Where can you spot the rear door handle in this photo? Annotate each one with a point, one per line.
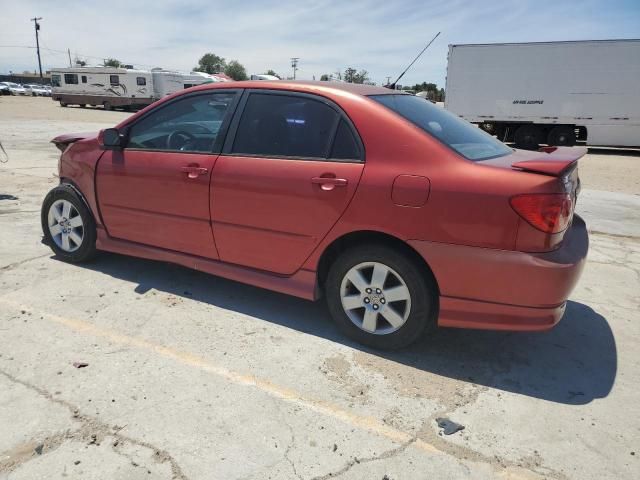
(194, 171)
(329, 183)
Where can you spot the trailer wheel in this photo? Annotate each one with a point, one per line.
(62, 104)
(83, 105)
(527, 137)
(107, 105)
(562, 137)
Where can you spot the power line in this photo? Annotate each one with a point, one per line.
(64, 52)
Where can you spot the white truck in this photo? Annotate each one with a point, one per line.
(557, 93)
(114, 87)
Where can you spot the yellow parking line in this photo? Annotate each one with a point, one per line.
(367, 423)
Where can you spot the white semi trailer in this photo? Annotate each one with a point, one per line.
(556, 93)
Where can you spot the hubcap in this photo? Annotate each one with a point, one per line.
(65, 225)
(375, 298)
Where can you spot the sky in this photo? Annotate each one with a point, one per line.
(381, 37)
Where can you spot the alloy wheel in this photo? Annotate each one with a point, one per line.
(65, 225)
(375, 298)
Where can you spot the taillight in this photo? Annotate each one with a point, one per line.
(548, 212)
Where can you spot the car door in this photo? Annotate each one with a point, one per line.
(155, 190)
(284, 178)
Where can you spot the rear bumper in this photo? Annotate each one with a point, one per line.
(506, 290)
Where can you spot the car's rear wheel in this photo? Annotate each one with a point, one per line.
(63, 104)
(380, 297)
(107, 105)
(68, 225)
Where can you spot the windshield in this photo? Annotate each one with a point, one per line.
(465, 138)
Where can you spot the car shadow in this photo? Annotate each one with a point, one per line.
(574, 363)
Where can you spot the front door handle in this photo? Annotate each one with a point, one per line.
(194, 171)
(329, 183)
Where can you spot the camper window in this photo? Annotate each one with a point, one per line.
(114, 80)
(70, 78)
(55, 80)
(84, 79)
(141, 80)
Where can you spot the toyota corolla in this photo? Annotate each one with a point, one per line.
(401, 215)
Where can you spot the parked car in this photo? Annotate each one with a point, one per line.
(400, 214)
(4, 89)
(16, 88)
(35, 90)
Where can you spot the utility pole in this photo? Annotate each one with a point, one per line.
(388, 80)
(294, 65)
(69, 53)
(36, 25)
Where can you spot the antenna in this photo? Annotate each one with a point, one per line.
(393, 85)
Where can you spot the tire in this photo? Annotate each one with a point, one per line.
(82, 105)
(107, 106)
(409, 318)
(527, 137)
(53, 206)
(562, 137)
(63, 104)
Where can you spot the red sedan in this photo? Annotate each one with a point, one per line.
(400, 214)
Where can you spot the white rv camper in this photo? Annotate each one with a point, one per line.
(107, 86)
(166, 82)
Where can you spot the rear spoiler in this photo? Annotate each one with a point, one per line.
(553, 161)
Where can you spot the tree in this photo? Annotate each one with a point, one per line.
(324, 78)
(271, 72)
(112, 62)
(236, 70)
(351, 75)
(211, 63)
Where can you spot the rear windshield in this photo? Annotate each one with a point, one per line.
(465, 138)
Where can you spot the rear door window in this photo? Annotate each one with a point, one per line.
(345, 146)
(274, 125)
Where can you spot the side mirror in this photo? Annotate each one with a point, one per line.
(112, 139)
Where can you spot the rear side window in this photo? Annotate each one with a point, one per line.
(281, 125)
(141, 81)
(463, 137)
(70, 78)
(345, 146)
(114, 79)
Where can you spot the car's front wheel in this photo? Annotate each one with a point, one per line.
(68, 225)
(380, 297)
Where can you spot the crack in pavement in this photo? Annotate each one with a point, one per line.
(91, 430)
(13, 265)
(358, 461)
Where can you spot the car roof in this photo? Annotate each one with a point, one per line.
(305, 86)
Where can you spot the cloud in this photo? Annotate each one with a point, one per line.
(379, 36)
